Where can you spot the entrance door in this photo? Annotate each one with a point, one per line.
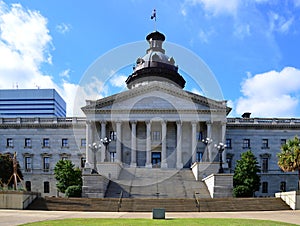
(156, 159)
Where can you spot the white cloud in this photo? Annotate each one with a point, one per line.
(65, 73)
(279, 23)
(196, 91)
(271, 94)
(118, 81)
(205, 35)
(25, 45)
(63, 28)
(215, 7)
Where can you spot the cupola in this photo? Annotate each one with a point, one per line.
(155, 65)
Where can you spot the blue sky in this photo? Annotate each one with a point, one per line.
(251, 46)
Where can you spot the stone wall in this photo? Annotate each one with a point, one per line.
(16, 199)
(219, 185)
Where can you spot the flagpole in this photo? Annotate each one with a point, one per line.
(153, 16)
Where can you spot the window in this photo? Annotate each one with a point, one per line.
(83, 143)
(46, 143)
(264, 187)
(282, 186)
(265, 165)
(199, 156)
(229, 162)
(282, 142)
(46, 187)
(199, 136)
(82, 162)
(156, 135)
(113, 135)
(64, 143)
(228, 143)
(265, 143)
(28, 165)
(27, 143)
(113, 156)
(28, 185)
(46, 164)
(246, 143)
(9, 143)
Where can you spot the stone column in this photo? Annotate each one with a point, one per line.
(194, 141)
(179, 164)
(209, 145)
(103, 134)
(119, 141)
(223, 140)
(164, 163)
(133, 144)
(148, 145)
(89, 140)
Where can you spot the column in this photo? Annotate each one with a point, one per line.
(148, 145)
(209, 135)
(103, 134)
(88, 151)
(133, 144)
(179, 164)
(119, 141)
(224, 141)
(164, 163)
(194, 141)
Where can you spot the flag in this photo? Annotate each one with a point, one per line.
(153, 15)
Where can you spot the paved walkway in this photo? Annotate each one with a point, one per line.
(16, 217)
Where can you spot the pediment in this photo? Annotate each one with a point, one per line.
(153, 97)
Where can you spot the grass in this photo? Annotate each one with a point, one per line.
(173, 222)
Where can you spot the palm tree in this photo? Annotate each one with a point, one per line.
(289, 157)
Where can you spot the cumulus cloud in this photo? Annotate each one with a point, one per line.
(271, 94)
(25, 44)
(118, 81)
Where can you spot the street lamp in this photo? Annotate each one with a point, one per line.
(207, 141)
(105, 141)
(221, 147)
(94, 147)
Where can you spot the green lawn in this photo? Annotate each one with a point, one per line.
(173, 222)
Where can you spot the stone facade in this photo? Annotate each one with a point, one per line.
(39, 146)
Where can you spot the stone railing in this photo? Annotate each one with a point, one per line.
(265, 121)
(34, 121)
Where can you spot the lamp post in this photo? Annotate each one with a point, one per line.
(105, 141)
(207, 141)
(94, 147)
(221, 147)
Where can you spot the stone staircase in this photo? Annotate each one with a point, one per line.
(147, 204)
(156, 183)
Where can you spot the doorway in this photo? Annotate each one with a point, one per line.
(156, 159)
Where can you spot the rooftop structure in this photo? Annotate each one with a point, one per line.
(31, 103)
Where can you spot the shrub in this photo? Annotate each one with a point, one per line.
(73, 191)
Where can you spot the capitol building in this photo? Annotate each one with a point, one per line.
(154, 125)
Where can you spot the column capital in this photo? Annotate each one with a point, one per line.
(133, 121)
(208, 122)
(118, 121)
(179, 122)
(194, 122)
(163, 122)
(148, 122)
(103, 122)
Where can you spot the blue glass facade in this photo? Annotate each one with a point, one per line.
(31, 103)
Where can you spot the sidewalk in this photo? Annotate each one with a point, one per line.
(16, 217)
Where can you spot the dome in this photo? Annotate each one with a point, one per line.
(155, 65)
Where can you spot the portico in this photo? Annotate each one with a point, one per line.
(155, 123)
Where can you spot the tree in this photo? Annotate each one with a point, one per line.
(246, 179)
(66, 175)
(6, 169)
(289, 157)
